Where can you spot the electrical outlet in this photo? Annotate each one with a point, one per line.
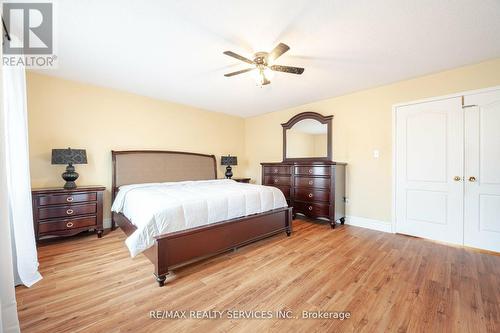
(376, 153)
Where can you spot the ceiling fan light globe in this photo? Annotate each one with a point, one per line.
(257, 77)
(268, 73)
(260, 77)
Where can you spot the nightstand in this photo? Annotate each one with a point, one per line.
(242, 180)
(61, 212)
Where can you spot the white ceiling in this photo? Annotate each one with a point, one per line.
(172, 50)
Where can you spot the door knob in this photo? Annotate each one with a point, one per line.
(472, 179)
(457, 178)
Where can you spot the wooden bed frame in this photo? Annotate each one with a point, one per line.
(176, 249)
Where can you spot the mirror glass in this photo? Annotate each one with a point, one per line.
(307, 138)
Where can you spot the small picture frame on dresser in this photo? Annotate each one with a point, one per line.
(67, 212)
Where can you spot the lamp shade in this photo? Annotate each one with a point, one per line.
(69, 156)
(228, 160)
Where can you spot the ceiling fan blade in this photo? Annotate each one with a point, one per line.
(239, 72)
(287, 69)
(278, 51)
(237, 56)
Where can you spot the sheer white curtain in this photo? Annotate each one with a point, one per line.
(8, 310)
(15, 140)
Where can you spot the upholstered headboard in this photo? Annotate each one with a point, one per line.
(153, 166)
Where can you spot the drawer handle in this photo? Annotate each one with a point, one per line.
(69, 199)
(69, 224)
(69, 211)
(310, 195)
(310, 207)
(310, 171)
(311, 182)
(275, 170)
(275, 180)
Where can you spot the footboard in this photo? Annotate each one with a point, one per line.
(181, 248)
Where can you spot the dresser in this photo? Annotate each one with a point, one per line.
(61, 212)
(315, 189)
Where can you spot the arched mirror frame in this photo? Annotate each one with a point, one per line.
(309, 115)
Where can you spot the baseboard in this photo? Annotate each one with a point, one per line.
(106, 223)
(364, 222)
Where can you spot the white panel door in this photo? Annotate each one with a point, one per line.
(482, 161)
(429, 157)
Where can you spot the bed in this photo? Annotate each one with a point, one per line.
(142, 172)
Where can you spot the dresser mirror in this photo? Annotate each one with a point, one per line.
(307, 136)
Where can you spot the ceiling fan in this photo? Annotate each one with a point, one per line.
(263, 62)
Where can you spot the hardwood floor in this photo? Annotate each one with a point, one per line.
(387, 282)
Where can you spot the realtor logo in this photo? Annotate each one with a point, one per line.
(31, 31)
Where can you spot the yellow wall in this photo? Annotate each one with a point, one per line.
(300, 144)
(63, 113)
(363, 122)
(320, 145)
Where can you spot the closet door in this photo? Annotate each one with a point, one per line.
(482, 171)
(429, 170)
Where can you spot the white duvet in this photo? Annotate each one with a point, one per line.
(159, 208)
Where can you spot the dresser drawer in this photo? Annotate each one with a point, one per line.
(313, 170)
(276, 170)
(312, 182)
(66, 224)
(60, 199)
(312, 209)
(285, 189)
(277, 180)
(66, 211)
(310, 195)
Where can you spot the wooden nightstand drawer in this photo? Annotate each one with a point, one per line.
(61, 199)
(66, 224)
(66, 211)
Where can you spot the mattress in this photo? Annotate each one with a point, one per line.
(159, 208)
